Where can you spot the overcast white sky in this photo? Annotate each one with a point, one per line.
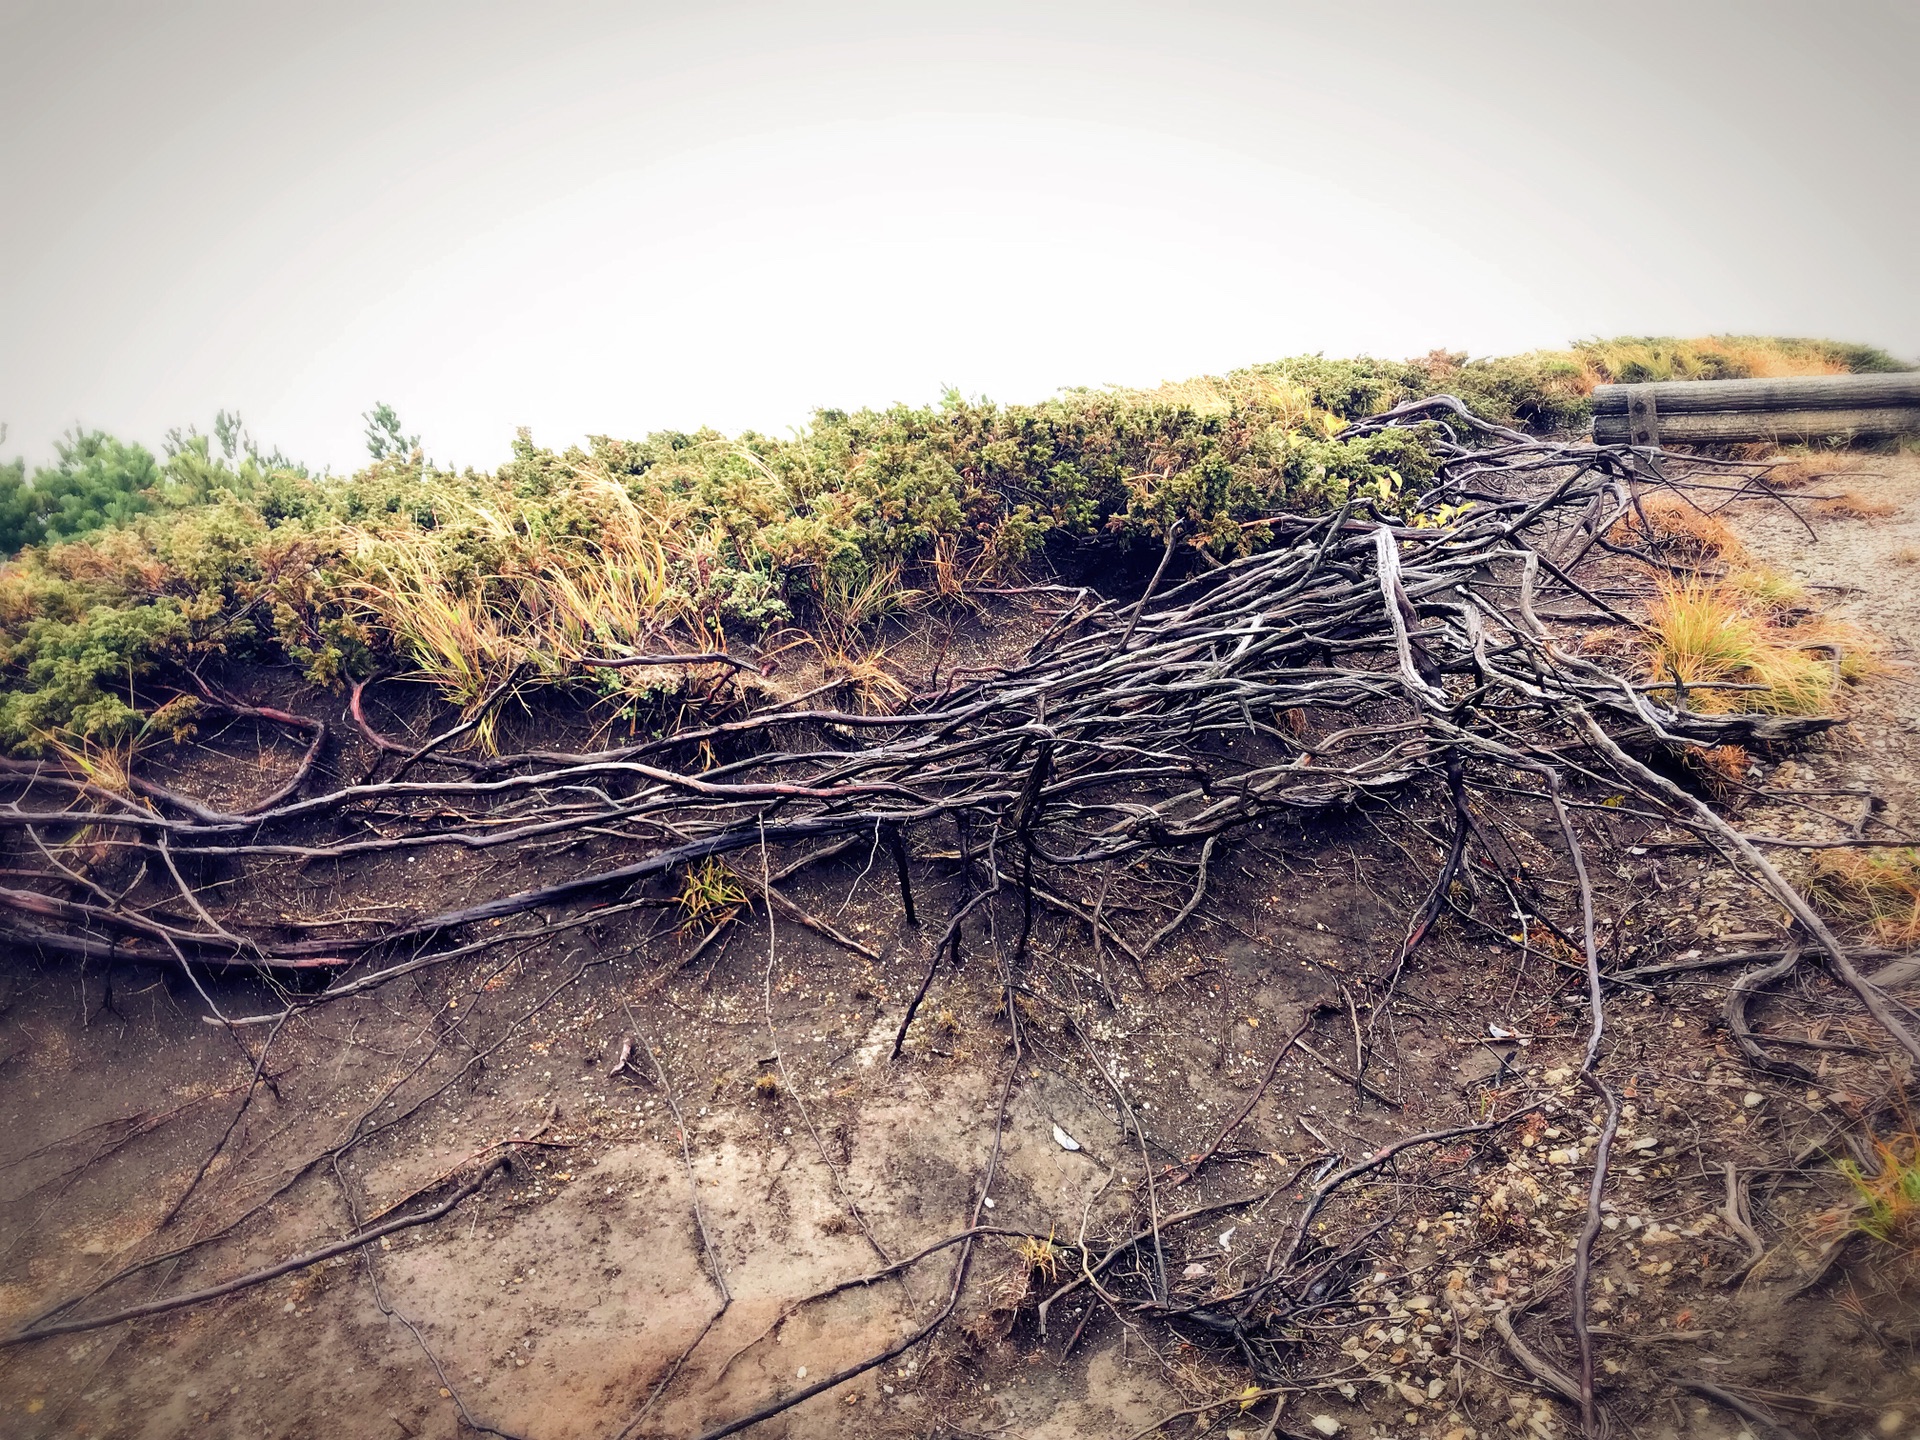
(599, 218)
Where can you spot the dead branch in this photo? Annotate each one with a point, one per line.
(1764, 1423)
(1547, 1373)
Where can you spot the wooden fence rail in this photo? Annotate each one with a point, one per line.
(1808, 408)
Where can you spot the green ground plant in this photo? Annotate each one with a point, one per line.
(129, 566)
(1887, 1197)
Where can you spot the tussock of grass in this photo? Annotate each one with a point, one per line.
(1855, 504)
(709, 893)
(1800, 469)
(1682, 528)
(492, 590)
(1767, 589)
(1888, 1198)
(1721, 767)
(1710, 637)
(1041, 1257)
(1880, 888)
(863, 677)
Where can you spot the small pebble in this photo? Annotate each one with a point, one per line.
(1753, 1098)
(1325, 1424)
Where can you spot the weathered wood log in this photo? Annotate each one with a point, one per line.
(1809, 392)
(1785, 425)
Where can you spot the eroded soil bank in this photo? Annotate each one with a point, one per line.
(760, 1127)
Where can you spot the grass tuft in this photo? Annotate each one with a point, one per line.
(1675, 525)
(1767, 589)
(863, 678)
(709, 893)
(1709, 636)
(1876, 887)
(1888, 1198)
(1041, 1257)
(1720, 767)
(1855, 504)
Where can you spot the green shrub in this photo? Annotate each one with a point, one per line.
(97, 481)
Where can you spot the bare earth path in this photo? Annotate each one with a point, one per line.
(1867, 570)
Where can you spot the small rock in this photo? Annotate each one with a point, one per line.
(1325, 1425)
(1891, 1422)
(1753, 1098)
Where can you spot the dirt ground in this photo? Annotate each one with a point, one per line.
(758, 1124)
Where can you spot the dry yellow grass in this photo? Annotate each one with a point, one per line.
(1799, 470)
(1041, 1257)
(1676, 522)
(1707, 357)
(1767, 589)
(863, 677)
(1720, 767)
(1854, 504)
(1880, 888)
(484, 596)
(1705, 636)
